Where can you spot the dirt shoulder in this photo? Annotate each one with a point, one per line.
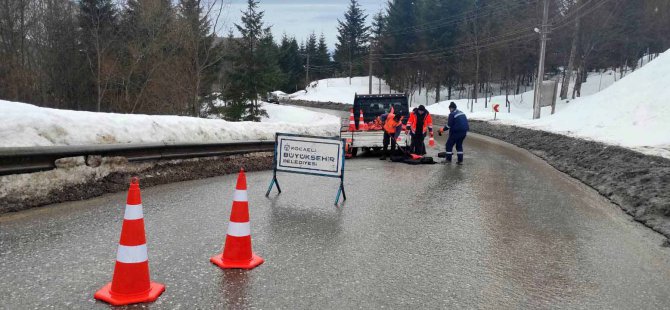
(74, 179)
(636, 182)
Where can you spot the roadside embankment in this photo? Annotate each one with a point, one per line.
(75, 179)
(638, 183)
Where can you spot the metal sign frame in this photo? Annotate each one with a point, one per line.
(275, 182)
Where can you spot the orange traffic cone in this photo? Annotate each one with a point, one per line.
(431, 141)
(352, 124)
(361, 122)
(237, 249)
(130, 282)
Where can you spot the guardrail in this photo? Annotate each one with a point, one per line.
(31, 159)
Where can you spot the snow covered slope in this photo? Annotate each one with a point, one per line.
(339, 89)
(295, 115)
(28, 125)
(633, 112)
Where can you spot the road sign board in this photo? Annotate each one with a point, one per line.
(322, 156)
(309, 155)
(495, 108)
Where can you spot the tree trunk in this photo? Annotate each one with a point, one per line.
(578, 82)
(567, 76)
(449, 89)
(474, 89)
(474, 94)
(98, 74)
(350, 64)
(437, 91)
(488, 85)
(196, 99)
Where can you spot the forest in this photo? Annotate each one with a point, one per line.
(177, 58)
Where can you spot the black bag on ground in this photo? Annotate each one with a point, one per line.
(412, 161)
(426, 160)
(442, 154)
(397, 158)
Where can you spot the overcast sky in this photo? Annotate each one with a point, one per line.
(300, 17)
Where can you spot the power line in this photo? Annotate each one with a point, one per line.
(458, 18)
(465, 49)
(508, 37)
(495, 37)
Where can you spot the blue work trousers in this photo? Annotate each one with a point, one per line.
(457, 139)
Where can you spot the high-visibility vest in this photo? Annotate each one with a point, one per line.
(427, 122)
(391, 124)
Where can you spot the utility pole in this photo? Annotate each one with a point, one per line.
(540, 72)
(307, 72)
(370, 74)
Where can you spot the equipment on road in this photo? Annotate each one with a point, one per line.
(237, 253)
(370, 107)
(321, 156)
(130, 282)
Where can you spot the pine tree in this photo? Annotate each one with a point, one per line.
(255, 66)
(268, 55)
(376, 37)
(399, 38)
(290, 63)
(436, 68)
(377, 29)
(311, 46)
(352, 37)
(64, 67)
(322, 59)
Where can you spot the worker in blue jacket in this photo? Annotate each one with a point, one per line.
(458, 128)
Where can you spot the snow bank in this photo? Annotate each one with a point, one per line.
(633, 112)
(289, 114)
(23, 125)
(339, 90)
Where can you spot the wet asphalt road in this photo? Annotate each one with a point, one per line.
(504, 231)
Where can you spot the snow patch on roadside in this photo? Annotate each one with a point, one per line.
(633, 112)
(71, 171)
(23, 125)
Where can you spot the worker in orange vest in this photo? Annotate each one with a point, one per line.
(422, 120)
(392, 128)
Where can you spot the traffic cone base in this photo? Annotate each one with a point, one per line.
(228, 264)
(105, 294)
